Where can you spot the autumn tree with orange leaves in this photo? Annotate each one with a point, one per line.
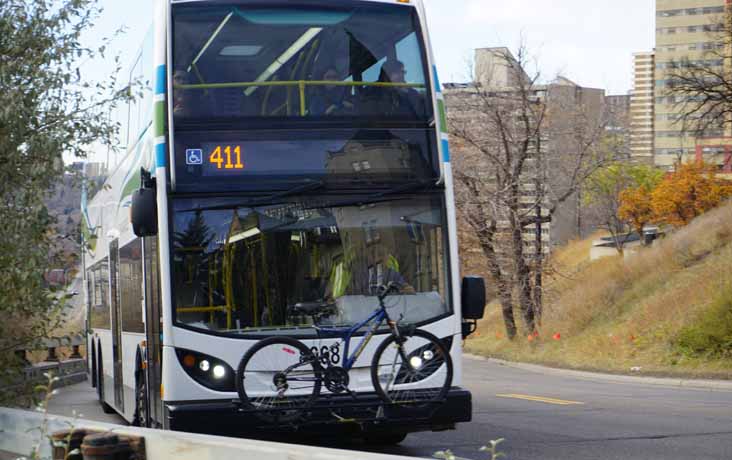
(688, 193)
(636, 207)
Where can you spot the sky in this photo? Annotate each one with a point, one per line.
(591, 45)
(589, 41)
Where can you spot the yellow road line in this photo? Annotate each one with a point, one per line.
(559, 402)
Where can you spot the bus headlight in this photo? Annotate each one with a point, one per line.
(208, 371)
(219, 372)
(416, 362)
(424, 359)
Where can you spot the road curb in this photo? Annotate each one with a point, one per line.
(719, 385)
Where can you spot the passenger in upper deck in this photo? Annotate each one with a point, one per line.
(181, 98)
(188, 102)
(398, 100)
(330, 100)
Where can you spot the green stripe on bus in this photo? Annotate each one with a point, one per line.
(159, 121)
(443, 115)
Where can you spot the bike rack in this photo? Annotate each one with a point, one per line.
(334, 410)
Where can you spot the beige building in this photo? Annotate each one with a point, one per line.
(493, 73)
(683, 30)
(642, 108)
(495, 68)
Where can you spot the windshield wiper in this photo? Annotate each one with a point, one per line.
(307, 185)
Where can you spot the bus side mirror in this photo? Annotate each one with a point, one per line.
(144, 212)
(473, 303)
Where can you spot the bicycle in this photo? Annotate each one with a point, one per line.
(280, 377)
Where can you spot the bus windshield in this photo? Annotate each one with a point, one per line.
(277, 269)
(349, 60)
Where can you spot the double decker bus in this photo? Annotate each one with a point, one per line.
(285, 152)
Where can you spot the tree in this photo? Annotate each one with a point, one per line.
(602, 196)
(702, 88)
(636, 207)
(496, 132)
(515, 140)
(687, 193)
(616, 195)
(578, 143)
(47, 109)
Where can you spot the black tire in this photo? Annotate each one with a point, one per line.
(100, 375)
(389, 366)
(93, 369)
(384, 439)
(106, 408)
(142, 412)
(277, 358)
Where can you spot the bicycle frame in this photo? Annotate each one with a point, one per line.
(346, 334)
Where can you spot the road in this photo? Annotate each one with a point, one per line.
(548, 416)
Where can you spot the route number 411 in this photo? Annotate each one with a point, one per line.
(223, 159)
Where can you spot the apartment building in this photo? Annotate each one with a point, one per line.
(642, 108)
(496, 72)
(684, 30)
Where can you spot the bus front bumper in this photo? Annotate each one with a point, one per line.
(331, 416)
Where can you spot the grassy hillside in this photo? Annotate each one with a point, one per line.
(667, 309)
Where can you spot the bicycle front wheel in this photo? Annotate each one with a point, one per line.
(414, 369)
(278, 378)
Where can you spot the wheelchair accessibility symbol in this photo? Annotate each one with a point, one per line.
(194, 157)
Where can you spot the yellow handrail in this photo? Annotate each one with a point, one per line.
(301, 85)
(303, 110)
(200, 309)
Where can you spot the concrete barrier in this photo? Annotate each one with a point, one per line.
(69, 371)
(19, 434)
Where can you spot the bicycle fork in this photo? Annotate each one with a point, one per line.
(400, 340)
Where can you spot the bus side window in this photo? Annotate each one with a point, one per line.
(130, 285)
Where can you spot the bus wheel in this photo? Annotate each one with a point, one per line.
(141, 412)
(99, 375)
(93, 370)
(384, 439)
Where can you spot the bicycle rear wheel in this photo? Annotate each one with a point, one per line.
(415, 369)
(278, 378)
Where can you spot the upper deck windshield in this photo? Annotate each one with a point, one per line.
(274, 269)
(346, 60)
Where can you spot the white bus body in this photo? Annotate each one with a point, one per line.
(145, 313)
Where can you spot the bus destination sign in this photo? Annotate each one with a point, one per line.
(225, 157)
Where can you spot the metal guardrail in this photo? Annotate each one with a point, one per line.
(19, 434)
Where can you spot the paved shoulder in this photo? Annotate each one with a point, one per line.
(723, 385)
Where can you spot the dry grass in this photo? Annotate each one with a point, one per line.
(613, 314)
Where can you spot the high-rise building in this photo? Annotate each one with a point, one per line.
(617, 107)
(642, 108)
(684, 30)
(497, 71)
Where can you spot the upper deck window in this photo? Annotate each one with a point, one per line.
(359, 61)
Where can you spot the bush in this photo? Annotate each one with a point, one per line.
(711, 335)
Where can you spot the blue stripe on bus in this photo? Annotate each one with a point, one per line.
(437, 80)
(160, 80)
(160, 155)
(446, 150)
